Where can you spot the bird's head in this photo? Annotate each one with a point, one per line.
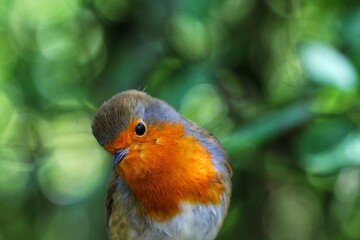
(136, 129)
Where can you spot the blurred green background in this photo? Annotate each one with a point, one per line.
(275, 80)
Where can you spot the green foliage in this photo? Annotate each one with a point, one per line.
(277, 81)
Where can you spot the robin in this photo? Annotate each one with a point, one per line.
(171, 178)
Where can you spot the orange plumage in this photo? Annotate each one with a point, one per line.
(161, 153)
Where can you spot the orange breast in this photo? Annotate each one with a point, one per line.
(165, 167)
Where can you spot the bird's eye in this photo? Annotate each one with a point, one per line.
(140, 129)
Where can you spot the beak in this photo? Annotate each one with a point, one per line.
(119, 155)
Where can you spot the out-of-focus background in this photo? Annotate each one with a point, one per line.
(277, 81)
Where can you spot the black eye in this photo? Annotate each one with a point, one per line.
(140, 129)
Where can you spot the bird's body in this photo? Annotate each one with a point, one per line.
(171, 178)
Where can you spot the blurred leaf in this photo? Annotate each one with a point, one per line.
(329, 145)
(267, 127)
(212, 115)
(67, 176)
(41, 11)
(351, 32)
(190, 37)
(233, 11)
(332, 100)
(173, 88)
(324, 135)
(112, 10)
(325, 65)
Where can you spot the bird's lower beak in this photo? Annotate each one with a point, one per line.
(119, 155)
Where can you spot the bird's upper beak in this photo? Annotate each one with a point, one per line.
(119, 155)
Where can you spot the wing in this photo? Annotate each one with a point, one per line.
(116, 216)
(110, 197)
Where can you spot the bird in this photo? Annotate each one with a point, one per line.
(171, 179)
